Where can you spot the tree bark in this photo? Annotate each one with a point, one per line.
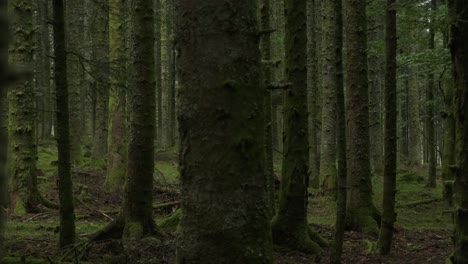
(430, 116)
(340, 223)
(117, 138)
(100, 69)
(265, 49)
(65, 185)
(390, 138)
(458, 46)
(25, 195)
(290, 227)
(3, 117)
(361, 212)
(158, 71)
(312, 91)
(225, 215)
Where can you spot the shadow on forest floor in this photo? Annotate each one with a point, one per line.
(423, 226)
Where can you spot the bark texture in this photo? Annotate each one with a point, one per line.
(390, 138)
(329, 59)
(73, 37)
(117, 138)
(138, 199)
(265, 49)
(361, 212)
(65, 185)
(225, 216)
(25, 196)
(3, 121)
(290, 227)
(458, 12)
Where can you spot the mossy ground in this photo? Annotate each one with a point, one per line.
(423, 230)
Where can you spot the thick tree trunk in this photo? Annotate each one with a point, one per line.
(117, 138)
(224, 202)
(430, 116)
(25, 196)
(67, 215)
(361, 212)
(100, 68)
(390, 138)
(290, 227)
(137, 211)
(73, 25)
(459, 49)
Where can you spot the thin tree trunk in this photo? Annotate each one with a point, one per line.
(117, 138)
(3, 117)
(73, 26)
(340, 222)
(330, 14)
(100, 69)
(224, 202)
(158, 69)
(390, 138)
(459, 50)
(265, 49)
(65, 185)
(430, 118)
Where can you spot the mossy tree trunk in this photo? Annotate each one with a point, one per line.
(169, 119)
(225, 210)
(3, 117)
(361, 213)
(65, 185)
(312, 91)
(430, 115)
(117, 138)
(73, 38)
(330, 14)
(340, 224)
(100, 69)
(25, 195)
(390, 138)
(46, 100)
(158, 69)
(265, 49)
(138, 199)
(290, 227)
(459, 50)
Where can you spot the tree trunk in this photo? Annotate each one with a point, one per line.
(265, 49)
(72, 16)
(100, 68)
(224, 201)
(414, 123)
(25, 195)
(67, 215)
(340, 223)
(312, 91)
(329, 89)
(390, 138)
(47, 110)
(169, 87)
(158, 69)
(3, 117)
(290, 227)
(361, 212)
(117, 138)
(459, 50)
(430, 116)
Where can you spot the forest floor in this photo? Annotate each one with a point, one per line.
(423, 228)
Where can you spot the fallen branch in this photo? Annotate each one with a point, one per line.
(94, 210)
(416, 203)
